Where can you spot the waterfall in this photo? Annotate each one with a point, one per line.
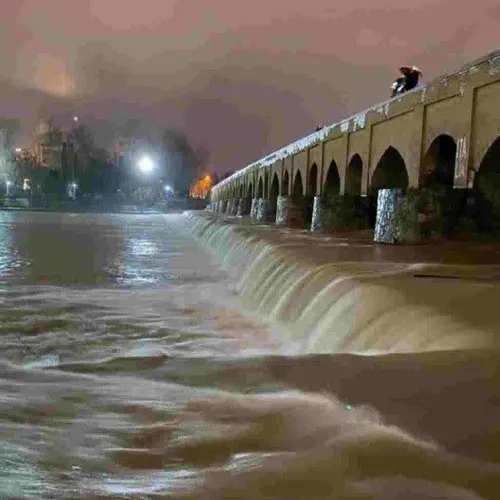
(349, 306)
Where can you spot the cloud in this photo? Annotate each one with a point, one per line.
(242, 78)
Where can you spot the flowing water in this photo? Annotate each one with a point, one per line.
(191, 357)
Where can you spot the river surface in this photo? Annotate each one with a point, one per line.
(194, 357)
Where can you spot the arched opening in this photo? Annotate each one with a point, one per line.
(266, 185)
(250, 192)
(353, 176)
(286, 184)
(242, 190)
(298, 197)
(260, 189)
(442, 205)
(332, 181)
(273, 195)
(313, 180)
(298, 187)
(390, 172)
(438, 164)
(486, 190)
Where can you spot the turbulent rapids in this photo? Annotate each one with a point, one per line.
(196, 357)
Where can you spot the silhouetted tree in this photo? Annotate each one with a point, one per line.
(181, 160)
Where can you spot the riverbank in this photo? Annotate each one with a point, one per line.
(85, 206)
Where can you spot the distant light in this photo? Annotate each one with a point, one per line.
(74, 185)
(8, 183)
(146, 164)
(75, 118)
(168, 189)
(18, 150)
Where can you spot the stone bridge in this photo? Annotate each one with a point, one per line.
(446, 133)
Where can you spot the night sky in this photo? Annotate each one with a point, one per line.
(240, 78)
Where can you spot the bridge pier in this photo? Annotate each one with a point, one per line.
(254, 208)
(288, 213)
(397, 218)
(318, 215)
(230, 206)
(243, 208)
(222, 206)
(234, 207)
(339, 212)
(263, 213)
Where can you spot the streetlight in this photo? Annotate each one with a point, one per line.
(146, 165)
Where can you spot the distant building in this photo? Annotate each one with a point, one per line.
(47, 147)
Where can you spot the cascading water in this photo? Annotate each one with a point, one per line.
(356, 307)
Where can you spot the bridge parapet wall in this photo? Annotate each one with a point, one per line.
(464, 105)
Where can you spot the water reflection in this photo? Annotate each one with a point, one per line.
(10, 258)
(83, 249)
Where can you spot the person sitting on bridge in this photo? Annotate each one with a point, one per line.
(408, 81)
(397, 86)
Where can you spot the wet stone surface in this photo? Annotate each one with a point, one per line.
(234, 206)
(242, 207)
(288, 213)
(254, 208)
(385, 225)
(318, 215)
(263, 210)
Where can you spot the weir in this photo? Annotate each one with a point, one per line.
(438, 146)
(322, 304)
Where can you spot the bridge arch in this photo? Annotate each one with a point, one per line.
(250, 191)
(486, 188)
(298, 186)
(266, 184)
(390, 171)
(354, 175)
(312, 183)
(438, 163)
(332, 181)
(260, 189)
(285, 187)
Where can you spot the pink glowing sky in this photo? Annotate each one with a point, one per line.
(241, 78)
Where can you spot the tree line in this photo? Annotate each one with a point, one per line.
(67, 163)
